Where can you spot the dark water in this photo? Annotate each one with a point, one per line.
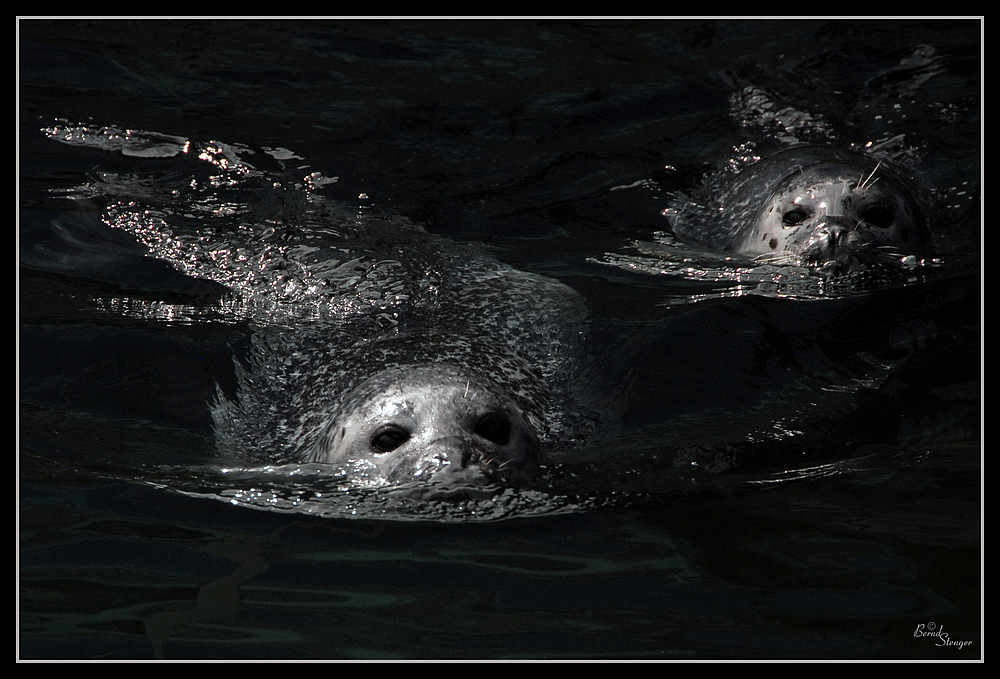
(796, 476)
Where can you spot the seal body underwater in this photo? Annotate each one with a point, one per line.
(818, 206)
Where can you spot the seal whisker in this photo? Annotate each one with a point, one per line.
(864, 184)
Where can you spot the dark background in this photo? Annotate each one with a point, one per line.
(511, 134)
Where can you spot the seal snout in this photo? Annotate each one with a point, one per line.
(461, 457)
(454, 452)
(831, 239)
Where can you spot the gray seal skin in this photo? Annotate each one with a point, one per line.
(823, 207)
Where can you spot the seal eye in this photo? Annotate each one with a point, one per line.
(878, 215)
(794, 217)
(388, 438)
(494, 428)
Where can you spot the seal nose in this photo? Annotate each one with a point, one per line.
(829, 239)
(834, 229)
(453, 452)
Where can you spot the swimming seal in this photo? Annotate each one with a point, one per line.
(380, 349)
(818, 206)
(408, 358)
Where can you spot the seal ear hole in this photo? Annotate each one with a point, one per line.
(878, 215)
(494, 428)
(795, 216)
(388, 438)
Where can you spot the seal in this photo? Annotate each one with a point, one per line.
(389, 353)
(463, 377)
(819, 207)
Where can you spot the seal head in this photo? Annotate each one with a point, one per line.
(412, 422)
(827, 208)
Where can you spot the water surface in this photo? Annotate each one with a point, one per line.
(797, 473)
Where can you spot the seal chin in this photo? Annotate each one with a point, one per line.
(432, 421)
